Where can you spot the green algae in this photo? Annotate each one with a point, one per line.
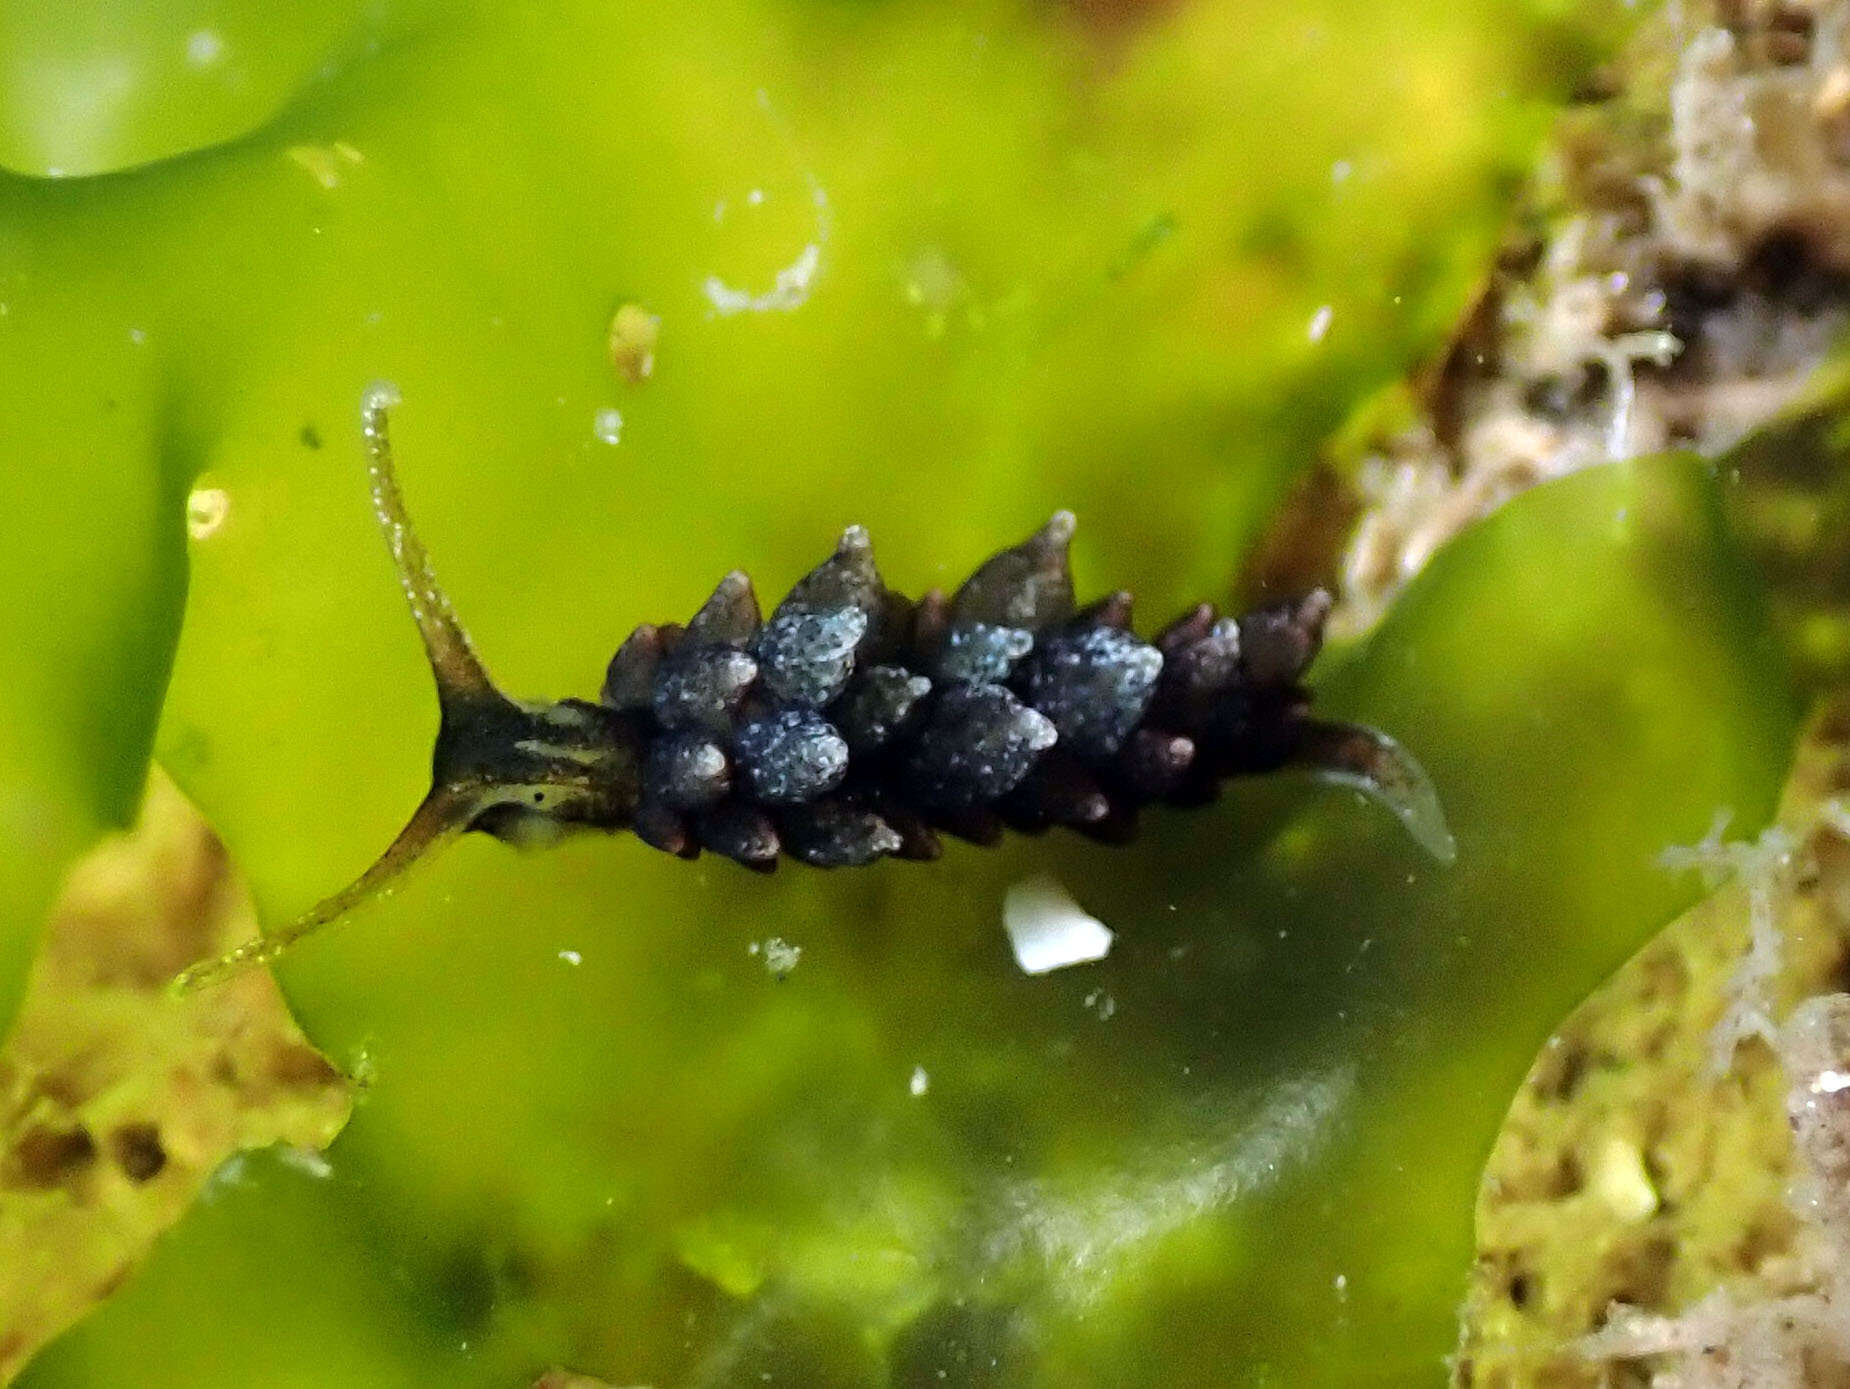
(662, 1164)
(459, 203)
(1045, 271)
(94, 570)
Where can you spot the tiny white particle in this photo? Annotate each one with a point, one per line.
(1340, 171)
(1341, 1284)
(780, 956)
(137, 336)
(571, 957)
(755, 197)
(1830, 1082)
(1320, 323)
(607, 425)
(920, 1082)
(1048, 930)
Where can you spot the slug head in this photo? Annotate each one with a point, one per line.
(526, 773)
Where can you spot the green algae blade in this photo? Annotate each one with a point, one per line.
(1242, 1149)
(93, 491)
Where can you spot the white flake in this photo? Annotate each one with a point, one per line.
(780, 956)
(1048, 930)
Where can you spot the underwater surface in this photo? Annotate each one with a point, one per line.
(669, 291)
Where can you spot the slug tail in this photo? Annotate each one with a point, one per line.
(1367, 760)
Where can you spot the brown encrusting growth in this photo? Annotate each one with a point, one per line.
(852, 724)
(1682, 271)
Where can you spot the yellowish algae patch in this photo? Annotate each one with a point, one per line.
(120, 1101)
(1628, 1174)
